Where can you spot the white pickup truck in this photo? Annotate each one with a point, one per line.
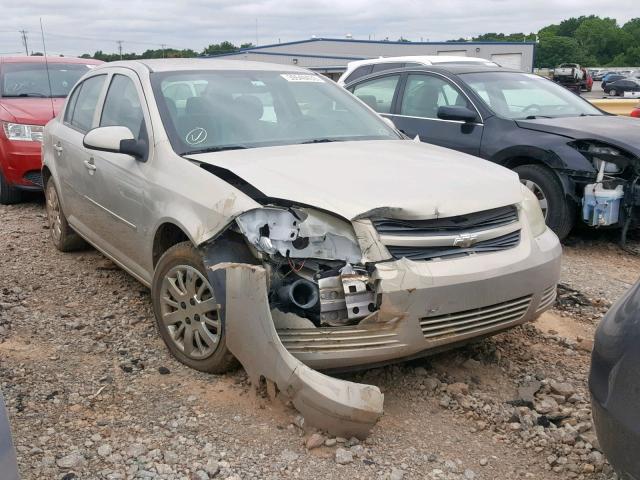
(569, 73)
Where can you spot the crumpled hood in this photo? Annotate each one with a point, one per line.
(352, 179)
(623, 132)
(32, 111)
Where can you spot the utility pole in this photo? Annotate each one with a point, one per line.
(23, 33)
(164, 46)
(119, 42)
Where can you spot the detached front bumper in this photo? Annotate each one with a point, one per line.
(21, 163)
(426, 306)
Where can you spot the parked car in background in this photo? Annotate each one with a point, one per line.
(360, 68)
(27, 102)
(600, 75)
(8, 462)
(252, 170)
(575, 158)
(614, 383)
(569, 73)
(611, 77)
(619, 87)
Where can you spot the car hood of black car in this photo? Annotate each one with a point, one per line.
(623, 132)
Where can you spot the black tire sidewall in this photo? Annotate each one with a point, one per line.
(186, 254)
(559, 213)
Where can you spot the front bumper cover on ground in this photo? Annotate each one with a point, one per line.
(340, 407)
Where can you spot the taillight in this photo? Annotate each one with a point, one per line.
(635, 112)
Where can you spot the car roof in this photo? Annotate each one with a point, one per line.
(451, 69)
(184, 64)
(49, 59)
(426, 59)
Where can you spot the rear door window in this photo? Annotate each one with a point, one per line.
(378, 93)
(424, 94)
(85, 106)
(359, 72)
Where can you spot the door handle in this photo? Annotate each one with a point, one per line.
(90, 165)
(58, 148)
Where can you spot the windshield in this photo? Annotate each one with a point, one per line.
(218, 110)
(524, 96)
(30, 79)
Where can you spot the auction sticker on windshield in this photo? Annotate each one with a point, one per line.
(301, 77)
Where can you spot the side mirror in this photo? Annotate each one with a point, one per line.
(115, 139)
(459, 113)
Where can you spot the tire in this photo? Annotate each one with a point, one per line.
(560, 216)
(62, 235)
(179, 308)
(8, 194)
(613, 92)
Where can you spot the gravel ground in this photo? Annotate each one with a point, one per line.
(93, 394)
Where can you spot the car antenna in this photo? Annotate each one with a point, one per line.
(46, 66)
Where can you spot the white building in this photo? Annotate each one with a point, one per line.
(331, 55)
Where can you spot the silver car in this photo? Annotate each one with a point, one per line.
(369, 248)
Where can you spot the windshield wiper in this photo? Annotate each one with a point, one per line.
(320, 140)
(216, 149)
(39, 95)
(533, 117)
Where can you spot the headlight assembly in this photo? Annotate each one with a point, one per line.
(598, 153)
(300, 233)
(23, 133)
(533, 212)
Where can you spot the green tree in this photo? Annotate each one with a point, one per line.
(219, 48)
(601, 37)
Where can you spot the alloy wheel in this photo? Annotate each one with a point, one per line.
(54, 214)
(537, 191)
(190, 312)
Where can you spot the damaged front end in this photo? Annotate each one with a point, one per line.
(307, 271)
(314, 264)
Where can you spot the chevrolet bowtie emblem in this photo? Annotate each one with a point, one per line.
(465, 240)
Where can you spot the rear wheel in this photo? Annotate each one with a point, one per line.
(187, 312)
(62, 235)
(613, 92)
(8, 193)
(546, 187)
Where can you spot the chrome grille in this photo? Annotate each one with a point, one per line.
(337, 339)
(34, 176)
(503, 242)
(485, 220)
(475, 320)
(548, 298)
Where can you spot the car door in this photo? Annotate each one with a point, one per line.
(417, 107)
(72, 159)
(118, 181)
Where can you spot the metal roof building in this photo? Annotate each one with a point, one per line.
(331, 55)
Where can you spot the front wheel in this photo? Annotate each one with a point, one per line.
(613, 92)
(187, 312)
(558, 214)
(8, 193)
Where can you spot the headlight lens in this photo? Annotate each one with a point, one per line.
(532, 210)
(23, 133)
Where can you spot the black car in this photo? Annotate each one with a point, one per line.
(8, 462)
(559, 144)
(611, 77)
(614, 382)
(618, 87)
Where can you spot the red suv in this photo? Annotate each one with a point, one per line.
(29, 98)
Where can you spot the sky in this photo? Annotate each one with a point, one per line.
(73, 27)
